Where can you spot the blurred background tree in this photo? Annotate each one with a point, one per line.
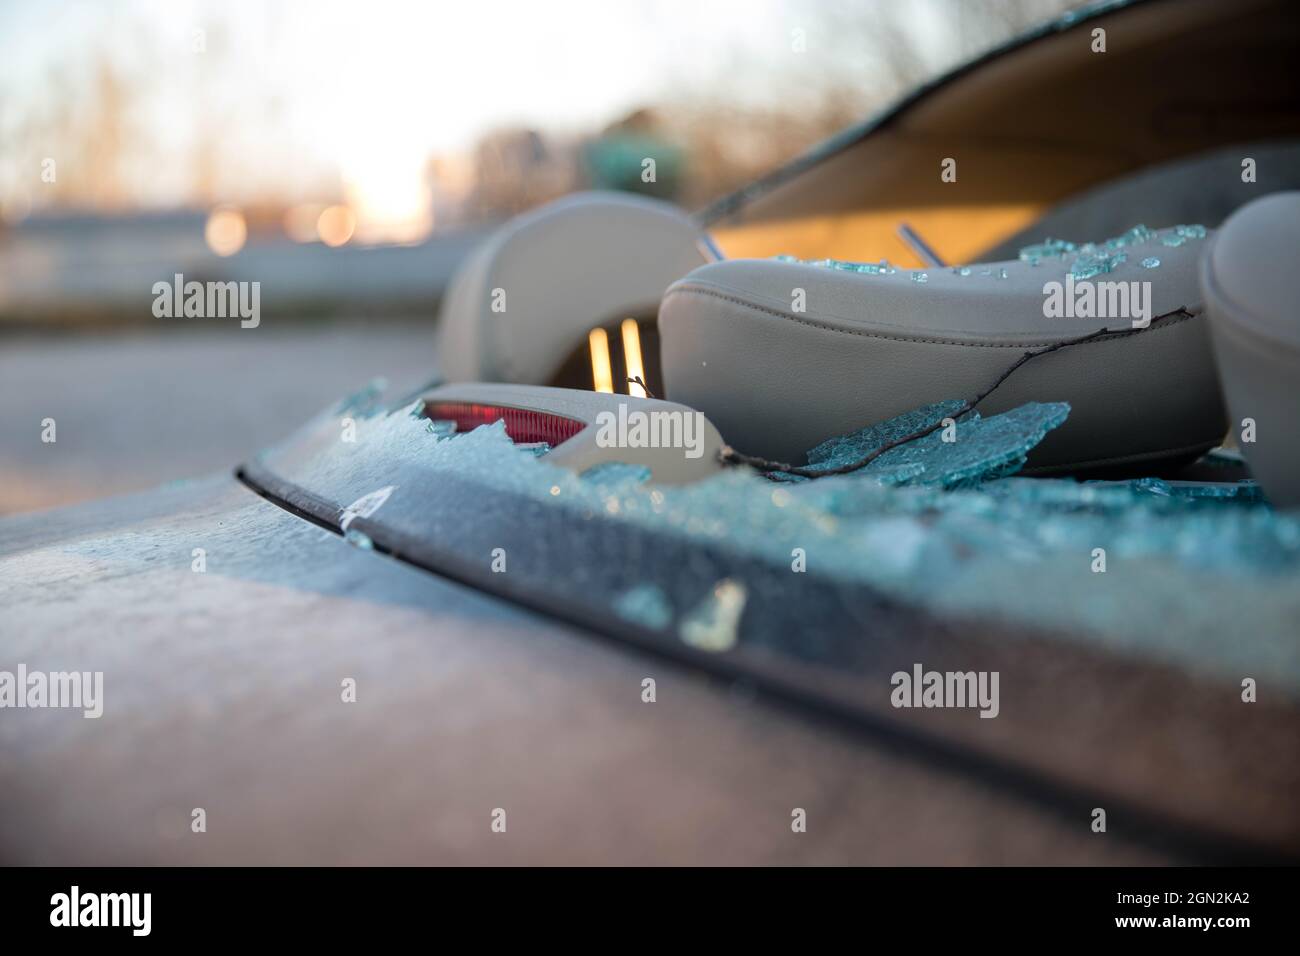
(148, 109)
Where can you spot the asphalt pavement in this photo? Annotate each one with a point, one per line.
(137, 409)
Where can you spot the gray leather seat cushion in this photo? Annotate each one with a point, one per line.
(868, 346)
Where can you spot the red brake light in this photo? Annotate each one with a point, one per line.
(522, 425)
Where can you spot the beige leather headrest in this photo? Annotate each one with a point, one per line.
(528, 296)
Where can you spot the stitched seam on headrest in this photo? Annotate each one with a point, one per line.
(1109, 337)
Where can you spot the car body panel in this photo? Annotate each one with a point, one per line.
(222, 691)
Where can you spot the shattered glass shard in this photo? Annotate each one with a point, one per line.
(1094, 262)
(358, 539)
(713, 625)
(1047, 249)
(365, 506)
(836, 451)
(883, 267)
(438, 428)
(964, 451)
(536, 448)
(1246, 491)
(1098, 258)
(1137, 234)
(364, 402)
(1200, 564)
(611, 474)
(647, 605)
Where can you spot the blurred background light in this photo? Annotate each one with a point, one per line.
(300, 222)
(336, 225)
(226, 231)
(602, 373)
(632, 353)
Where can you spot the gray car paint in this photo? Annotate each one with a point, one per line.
(222, 691)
